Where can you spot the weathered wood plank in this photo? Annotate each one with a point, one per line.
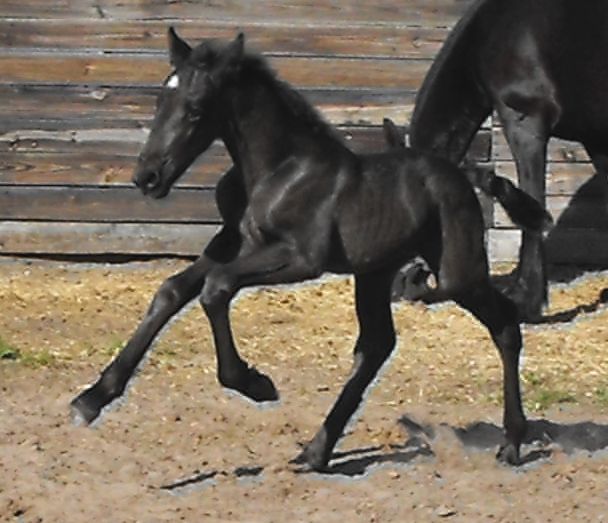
(45, 9)
(102, 239)
(67, 107)
(88, 204)
(86, 167)
(38, 159)
(430, 12)
(318, 12)
(558, 150)
(287, 39)
(143, 70)
(103, 109)
(577, 246)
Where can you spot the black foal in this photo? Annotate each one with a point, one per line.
(298, 203)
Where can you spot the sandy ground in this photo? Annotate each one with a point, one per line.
(180, 448)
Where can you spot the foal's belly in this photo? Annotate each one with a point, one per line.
(382, 235)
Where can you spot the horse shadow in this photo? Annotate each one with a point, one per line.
(561, 275)
(543, 438)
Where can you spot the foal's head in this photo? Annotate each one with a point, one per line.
(187, 118)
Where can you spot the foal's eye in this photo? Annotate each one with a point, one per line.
(193, 111)
(193, 116)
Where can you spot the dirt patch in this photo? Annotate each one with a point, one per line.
(181, 449)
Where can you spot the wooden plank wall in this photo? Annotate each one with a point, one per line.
(78, 79)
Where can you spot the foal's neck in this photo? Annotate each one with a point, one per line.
(264, 130)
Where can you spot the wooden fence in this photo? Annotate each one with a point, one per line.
(78, 79)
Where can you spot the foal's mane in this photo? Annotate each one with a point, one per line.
(253, 68)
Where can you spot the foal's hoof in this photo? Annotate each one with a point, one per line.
(315, 454)
(509, 455)
(411, 283)
(83, 410)
(311, 458)
(256, 386)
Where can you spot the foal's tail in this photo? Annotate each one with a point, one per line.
(523, 210)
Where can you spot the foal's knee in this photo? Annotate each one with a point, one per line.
(171, 294)
(216, 292)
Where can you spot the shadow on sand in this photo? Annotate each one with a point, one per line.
(543, 436)
(560, 275)
(542, 439)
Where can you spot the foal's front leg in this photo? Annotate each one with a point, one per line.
(375, 343)
(277, 263)
(172, 295)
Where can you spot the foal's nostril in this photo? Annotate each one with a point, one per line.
(146, 180)
(154, 179)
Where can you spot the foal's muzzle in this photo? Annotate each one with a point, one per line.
(150, 181)
(146, 180)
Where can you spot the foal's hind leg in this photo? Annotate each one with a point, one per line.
(375, 343)
(499, 315)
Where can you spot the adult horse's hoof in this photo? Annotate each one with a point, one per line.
(509, 455)
(255, 386)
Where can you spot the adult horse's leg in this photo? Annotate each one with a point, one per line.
(599, 157)
(375, 343)
(499, 315)
(527, 135)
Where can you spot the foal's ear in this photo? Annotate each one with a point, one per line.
(179, 50)
(392, 135)
(230, 59)
(234, 51)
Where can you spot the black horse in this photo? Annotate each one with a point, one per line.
(298, 203)
(542, 66)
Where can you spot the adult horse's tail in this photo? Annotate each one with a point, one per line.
(451, 105)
